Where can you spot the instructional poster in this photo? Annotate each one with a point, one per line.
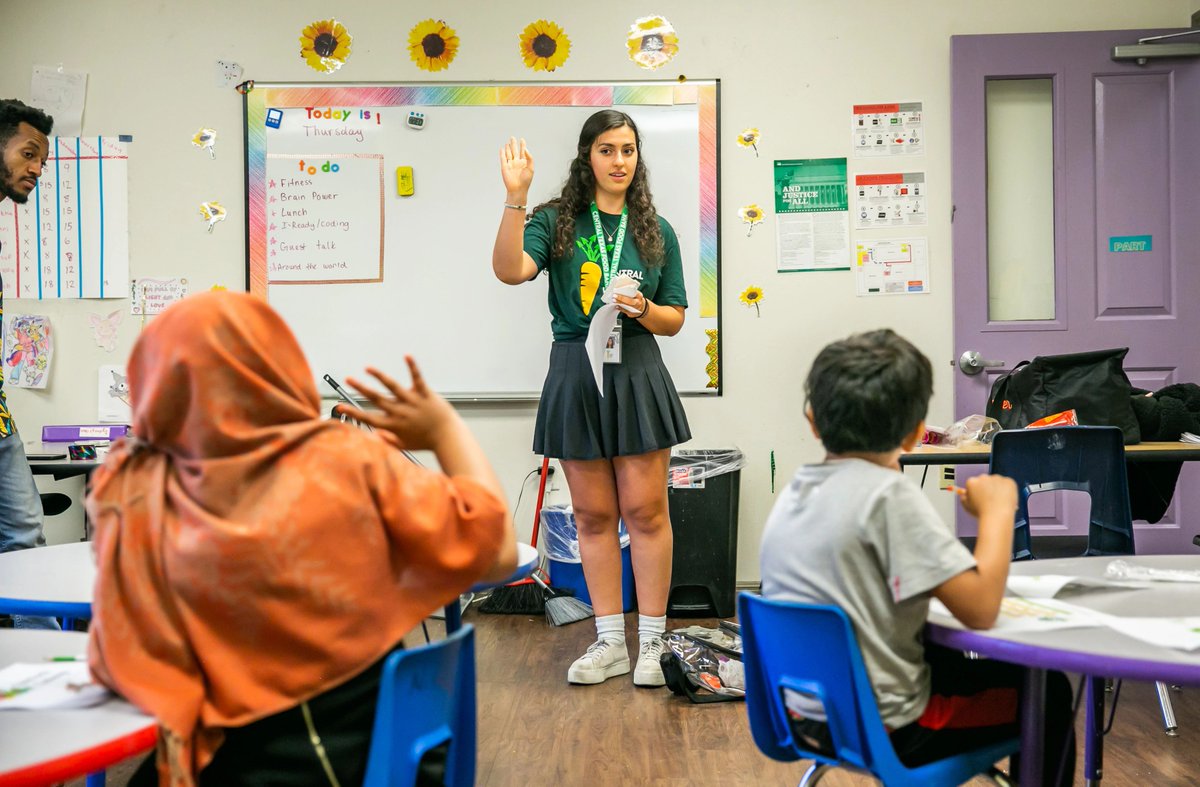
(324, 217)
(887, 130)
(893, 266)
(812, 219)
(890, 199)
(71, 238)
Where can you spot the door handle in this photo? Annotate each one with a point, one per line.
(971, 362)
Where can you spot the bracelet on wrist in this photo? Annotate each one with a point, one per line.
(514, 207)
(645, 308)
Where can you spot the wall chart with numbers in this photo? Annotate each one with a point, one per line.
(71, 238)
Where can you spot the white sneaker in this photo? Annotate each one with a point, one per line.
(649, 667)
(603, 660)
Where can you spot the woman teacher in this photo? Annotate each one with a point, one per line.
(614, 448)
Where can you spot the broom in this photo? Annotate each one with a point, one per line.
(522, 597)
(561, 606)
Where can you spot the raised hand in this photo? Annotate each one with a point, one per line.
(418, 417)
(516, 168)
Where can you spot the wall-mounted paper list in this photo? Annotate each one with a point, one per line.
(324, 218)
(71, 238)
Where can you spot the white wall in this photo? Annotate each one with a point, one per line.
(791, 68)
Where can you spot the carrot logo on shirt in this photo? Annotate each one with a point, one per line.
(589, 272)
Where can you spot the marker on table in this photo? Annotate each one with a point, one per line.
(66, 658)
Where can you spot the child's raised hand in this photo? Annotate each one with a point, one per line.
(516, 166)
(986, 494)
(418, 417)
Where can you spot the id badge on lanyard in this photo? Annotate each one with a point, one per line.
(612, 347)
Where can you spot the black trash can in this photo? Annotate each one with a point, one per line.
(702, 493)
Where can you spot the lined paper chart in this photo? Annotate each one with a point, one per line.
(71, 238)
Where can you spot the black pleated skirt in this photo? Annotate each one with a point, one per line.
(639, 412)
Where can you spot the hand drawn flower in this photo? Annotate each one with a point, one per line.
(751, 296)
(544, 46)
(432, 45)
(325, 45)
(652, 42)
(752, 215)
(749, 139)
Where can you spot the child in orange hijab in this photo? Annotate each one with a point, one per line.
(256, 562)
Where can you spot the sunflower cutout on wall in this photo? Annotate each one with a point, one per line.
(544, 46)
(749, 139)
(432, 45)
(205, 139)
(751, 296)
(212, 213)
(752, 215)
(325, 45)
(652, 42)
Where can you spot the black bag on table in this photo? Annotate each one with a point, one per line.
(1093, 384)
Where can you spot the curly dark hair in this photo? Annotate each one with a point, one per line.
(580, 189)
(13, 113)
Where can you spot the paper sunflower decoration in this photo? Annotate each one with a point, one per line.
(544, 46)
(751, 214)
(204, 139)
(212, 213)
(652, 42)
(749, 139)
(325, 45)
(432, 45)
(751, 296)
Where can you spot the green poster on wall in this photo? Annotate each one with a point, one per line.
(812, 215)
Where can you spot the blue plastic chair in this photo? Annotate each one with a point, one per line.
(811, 649)
(1085, 458)
(426, 699)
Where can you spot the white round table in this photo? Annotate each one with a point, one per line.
(40, 747)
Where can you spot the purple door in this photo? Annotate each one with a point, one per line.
(1101, 246)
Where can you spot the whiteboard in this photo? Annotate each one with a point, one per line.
(364, 275)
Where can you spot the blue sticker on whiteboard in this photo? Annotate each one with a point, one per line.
(1120, 243)
(274, 117)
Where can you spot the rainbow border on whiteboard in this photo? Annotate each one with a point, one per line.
(704, 94)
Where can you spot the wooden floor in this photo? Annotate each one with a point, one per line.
(534, 728)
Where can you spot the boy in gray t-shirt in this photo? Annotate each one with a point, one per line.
(854, 532)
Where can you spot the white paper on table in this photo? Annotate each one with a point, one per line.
(49, 685)
(1043, 614)
(1176, 633)
(603, 323)
(1050, 585)
(61, 94)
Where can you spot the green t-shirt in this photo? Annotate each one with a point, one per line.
(576, 280)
